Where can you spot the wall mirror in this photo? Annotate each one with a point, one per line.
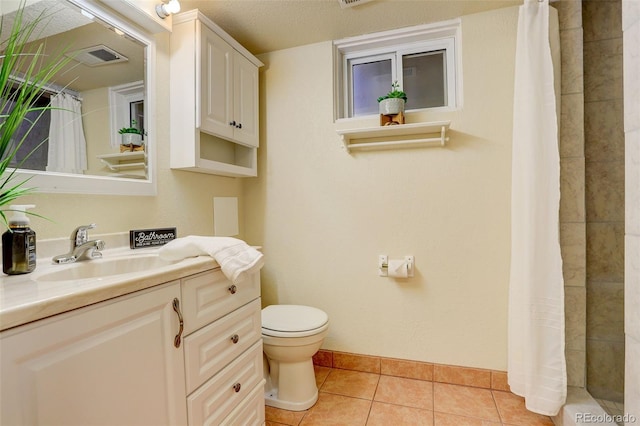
(107, 86)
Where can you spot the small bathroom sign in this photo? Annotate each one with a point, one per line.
(141, 238)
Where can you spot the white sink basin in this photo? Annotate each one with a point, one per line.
(101, 268)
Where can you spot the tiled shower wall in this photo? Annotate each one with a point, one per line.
(592, 187)
(631, 28)
(604, 197)
(572, 186)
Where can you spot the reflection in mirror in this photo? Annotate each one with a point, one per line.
(100, 99)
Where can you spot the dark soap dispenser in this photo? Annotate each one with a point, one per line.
(18, 243)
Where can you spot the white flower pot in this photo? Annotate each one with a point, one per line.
(391, 106)
(131, 139)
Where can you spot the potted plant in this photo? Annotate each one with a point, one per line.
(18, 98)
(131, 136)
(393, 102)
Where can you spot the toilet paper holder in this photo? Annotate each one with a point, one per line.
(383, 265)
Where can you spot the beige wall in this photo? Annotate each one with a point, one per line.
(184, 199)
(324, 215)
(97, 130)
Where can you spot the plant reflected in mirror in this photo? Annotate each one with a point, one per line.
(25, 72)
(83, 103)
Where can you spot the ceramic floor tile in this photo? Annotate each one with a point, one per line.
(464, 401)
(337, 410)
(368, 364)
(499, 381)
(323, 358)
(462, 376)
(405, 392)
(351, 383)
(346, 396)
(321, 374)
(283, 417)
(408, 369)
(444, 419)
(513, 411)
(383, 414)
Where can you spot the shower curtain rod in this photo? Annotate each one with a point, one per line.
(51, 88)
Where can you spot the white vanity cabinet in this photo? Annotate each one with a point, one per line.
(113, 363)
(116, 362)
(214, 99)
(223, 349)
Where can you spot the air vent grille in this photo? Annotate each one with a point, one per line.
(351, 3)
(97, 55)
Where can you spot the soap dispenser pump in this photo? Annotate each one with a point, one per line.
(19, 243)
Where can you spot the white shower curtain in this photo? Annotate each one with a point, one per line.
(536, 361)
(67, 145)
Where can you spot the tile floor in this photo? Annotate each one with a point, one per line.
(352, 398)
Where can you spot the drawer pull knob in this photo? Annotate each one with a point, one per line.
(235, 338)
(233, 289)
(176, 308)
(236, 387)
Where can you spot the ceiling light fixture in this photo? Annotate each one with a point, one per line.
(165, 9)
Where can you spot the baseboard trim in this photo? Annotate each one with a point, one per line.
(442, 373)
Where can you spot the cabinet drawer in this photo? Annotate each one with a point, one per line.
(211, 348)
(210, 295)
(217, 398)
(250, 411)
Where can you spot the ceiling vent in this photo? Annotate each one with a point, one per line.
(97, 55)
(351, 3)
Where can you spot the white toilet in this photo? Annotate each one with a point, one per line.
(291, 335)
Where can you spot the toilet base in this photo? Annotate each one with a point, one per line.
(290, 385)
(271, 399)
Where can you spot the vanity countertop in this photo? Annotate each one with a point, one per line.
(23, 299)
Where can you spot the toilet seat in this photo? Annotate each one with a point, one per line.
(293, 321)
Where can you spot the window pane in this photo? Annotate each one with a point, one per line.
(34, 134)
(369, 81)
(424, 79)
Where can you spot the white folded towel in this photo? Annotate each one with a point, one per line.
(236, 258)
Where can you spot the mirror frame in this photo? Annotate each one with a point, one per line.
(67, 183)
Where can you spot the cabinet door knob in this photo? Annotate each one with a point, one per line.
(176, 308)
(235, 338)
(237, 387)
(233, 289)
(232, 123)
(239, 126)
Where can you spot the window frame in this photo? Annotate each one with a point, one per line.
(444, 35)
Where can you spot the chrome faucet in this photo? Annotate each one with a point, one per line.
(81, 247)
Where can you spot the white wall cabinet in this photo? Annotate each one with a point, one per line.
(229, 94)
(116, 362)
(211, 71)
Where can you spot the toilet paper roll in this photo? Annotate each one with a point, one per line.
(398, 268)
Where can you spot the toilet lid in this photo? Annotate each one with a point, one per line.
(293, 318)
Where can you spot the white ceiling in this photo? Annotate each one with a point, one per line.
(268, 25)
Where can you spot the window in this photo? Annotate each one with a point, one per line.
(422, 59)
(32, 135)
